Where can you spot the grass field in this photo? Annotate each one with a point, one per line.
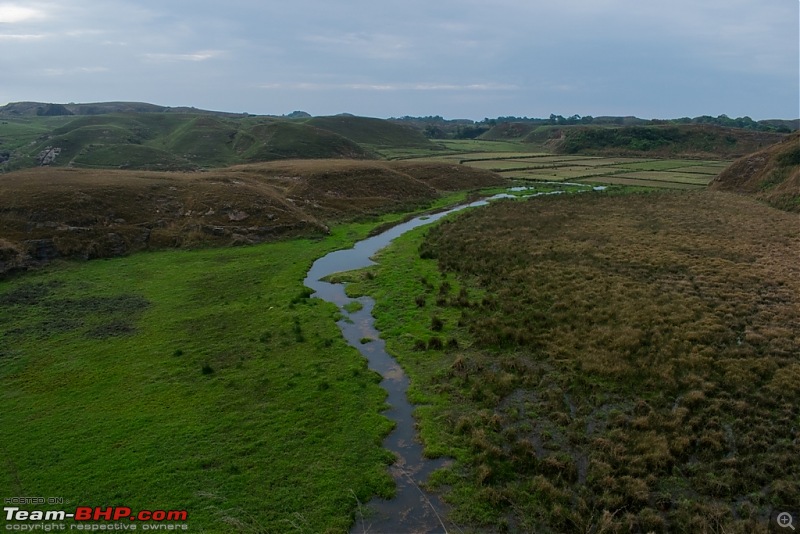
(623, 180)
(520, 161)
(666, 173)
(609, 363)
(200, 380)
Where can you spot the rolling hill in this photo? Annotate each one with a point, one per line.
(771, 175)
(49, 213)
(698, 141)
(166, 141)
(371, 131)
(34, 109)
(132, 135)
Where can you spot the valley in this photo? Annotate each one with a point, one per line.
(618, 356)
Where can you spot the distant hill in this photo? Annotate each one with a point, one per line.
(509, 131)
(701, 141)
(34, 109)
(135, 135)
(370, 131)
(49, 213)
(771, 175)
(164, 141)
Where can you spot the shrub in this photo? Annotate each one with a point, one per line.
(435, 343)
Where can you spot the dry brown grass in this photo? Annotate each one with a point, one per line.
(651, 343)
(772, 175)
(49, 212)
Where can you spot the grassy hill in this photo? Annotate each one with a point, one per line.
(772, 175)
(291, 140)
(160, 140)
(659, 141)
(370, 131)
(164, 141)
(506, 131)
(47, 213)
(39, 109)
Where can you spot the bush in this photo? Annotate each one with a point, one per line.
(435, 343)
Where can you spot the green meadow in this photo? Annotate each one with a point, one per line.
(203, 380)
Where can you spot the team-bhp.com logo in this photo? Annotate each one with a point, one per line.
(87, 517)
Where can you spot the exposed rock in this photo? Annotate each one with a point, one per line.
(48, 155)
(237, 215)
(42, 249)
(115, 245)
(215, 230)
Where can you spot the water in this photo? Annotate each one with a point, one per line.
(413, 510)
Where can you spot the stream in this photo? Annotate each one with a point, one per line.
(412, 509)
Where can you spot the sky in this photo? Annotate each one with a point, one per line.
(388, 58)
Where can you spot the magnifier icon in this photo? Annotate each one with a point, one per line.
(785, 520)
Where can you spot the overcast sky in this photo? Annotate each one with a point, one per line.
(382, 58)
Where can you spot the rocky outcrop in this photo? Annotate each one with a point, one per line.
(48, 156)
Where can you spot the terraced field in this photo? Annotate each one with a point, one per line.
(526, 162)
(674, 173)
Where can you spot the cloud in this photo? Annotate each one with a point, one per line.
(363, 44)
(464, 57)
(202, 55)
(74, 70)
(15, 13)
(419, 86)
(22, 37)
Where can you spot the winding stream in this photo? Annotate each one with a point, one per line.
(412, 509)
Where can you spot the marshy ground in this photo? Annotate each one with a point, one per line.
(604, 363)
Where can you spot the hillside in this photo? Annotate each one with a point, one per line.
(49, 213)
(164, 141)
(42, 109)
(509, 131)
(659, 141)
(370, 131)
(771, 175)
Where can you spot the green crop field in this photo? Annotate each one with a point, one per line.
(679, 177)
(622, 179)
(666, 173)
(479, 145)
(705, 168)
(656, 165)
(500, 165)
